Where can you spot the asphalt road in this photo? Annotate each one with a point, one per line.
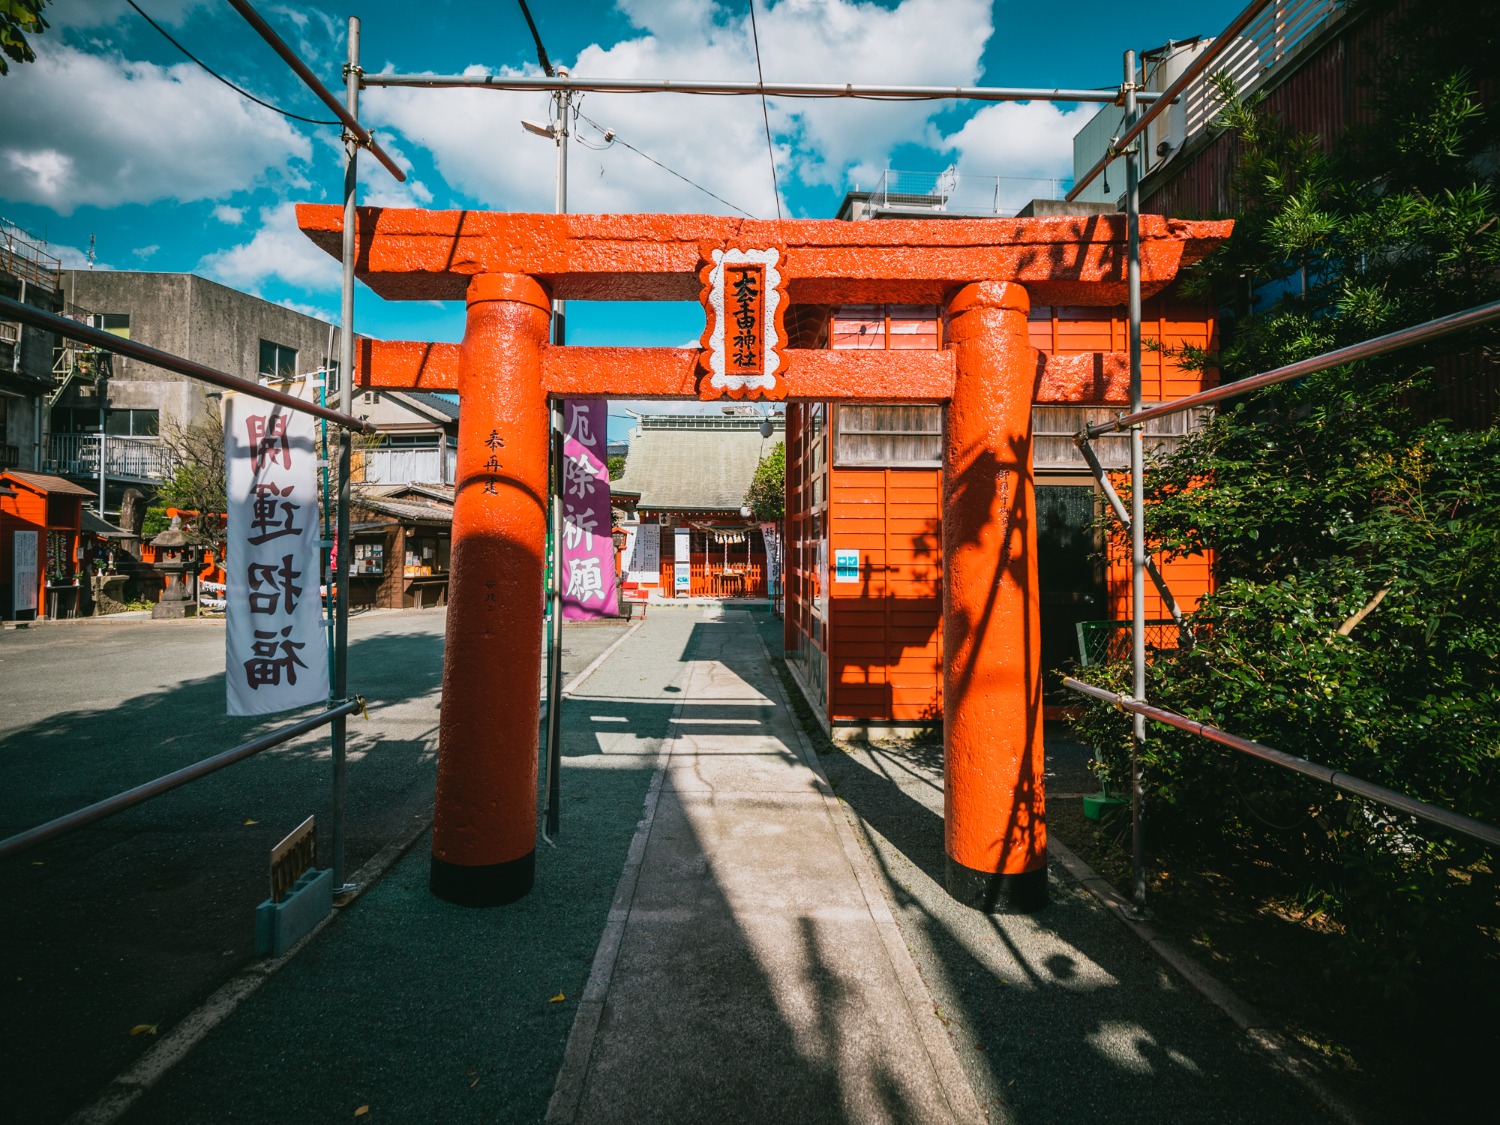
(135, 920)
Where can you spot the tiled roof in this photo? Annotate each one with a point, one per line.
(694, 464)
(46, 482)
(416, 508)
(432, 402)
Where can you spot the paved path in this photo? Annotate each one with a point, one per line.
(135, 920)
(748, 950)
(751, 970)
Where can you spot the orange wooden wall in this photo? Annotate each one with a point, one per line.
(1061, 330)
(884, 637)
(886, 658)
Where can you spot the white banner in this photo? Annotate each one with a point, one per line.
(645, 555)
(276, 652)
(24, 582)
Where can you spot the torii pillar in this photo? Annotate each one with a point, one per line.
(508, 267)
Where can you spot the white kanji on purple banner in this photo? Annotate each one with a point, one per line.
(588, 551)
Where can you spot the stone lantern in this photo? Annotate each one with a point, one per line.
(175, 562)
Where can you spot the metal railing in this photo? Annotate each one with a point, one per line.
(81, 818)
(138, 458)
(1103, 642)
(24, 256)
(960, 193)
(1391, 798)
(1247, 50)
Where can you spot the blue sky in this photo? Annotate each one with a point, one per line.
(113, 134)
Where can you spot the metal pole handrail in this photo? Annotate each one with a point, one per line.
(1118, 507)
(1221, 43)
(73, 330)
(361, 134)
(1366, 349)
(80, 818)
(1436, 814)
(528, 83)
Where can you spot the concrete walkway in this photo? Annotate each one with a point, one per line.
(751, 949)
(751, 970)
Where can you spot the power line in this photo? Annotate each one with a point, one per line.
(615, 138)
(764, 112)
(210, 70)
(541, 52)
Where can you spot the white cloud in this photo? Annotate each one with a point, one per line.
(309, 310)
(476, 139)
(144, 252)
(1019, 139)
(81, 129)
(277, 251)
(234, 216)
(73, 258)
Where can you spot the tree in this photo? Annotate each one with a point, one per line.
(615, 463)
(766, 497)
(19, 18)
(1356, 528)
(197, 481)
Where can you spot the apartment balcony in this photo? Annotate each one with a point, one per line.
(125, 458)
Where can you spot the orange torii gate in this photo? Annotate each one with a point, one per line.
(984, 274)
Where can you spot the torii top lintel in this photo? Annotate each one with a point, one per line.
(432, 255)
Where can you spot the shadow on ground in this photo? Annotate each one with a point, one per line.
(134, 920)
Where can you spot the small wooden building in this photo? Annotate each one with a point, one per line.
(41, 520)
(402, 537)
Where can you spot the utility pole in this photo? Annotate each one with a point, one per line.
(562, 102)
(1137, 500)
(339, 573)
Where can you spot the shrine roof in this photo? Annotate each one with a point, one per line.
(676, 468)
(431, 255)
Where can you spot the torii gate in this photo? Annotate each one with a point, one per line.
(509, 267)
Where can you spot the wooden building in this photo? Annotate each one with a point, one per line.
(863, 524)
(686, 476)
(41, 543)
(402, 536)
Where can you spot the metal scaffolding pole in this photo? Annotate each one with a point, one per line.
(1365, 349)
(325, 95)
(562, 103)
(1137, 500)
(343, 549)
(1118, 507)
(563, 83)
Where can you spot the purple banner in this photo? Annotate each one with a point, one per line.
(588, 553)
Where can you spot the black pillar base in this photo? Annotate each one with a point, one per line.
(994, 893)
(492, 884)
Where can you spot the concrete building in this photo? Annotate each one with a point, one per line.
(231, 331)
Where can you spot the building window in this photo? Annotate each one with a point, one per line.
(133, 423)
(331, 374)
(277, 361)
(117, 324)
(880, 436)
